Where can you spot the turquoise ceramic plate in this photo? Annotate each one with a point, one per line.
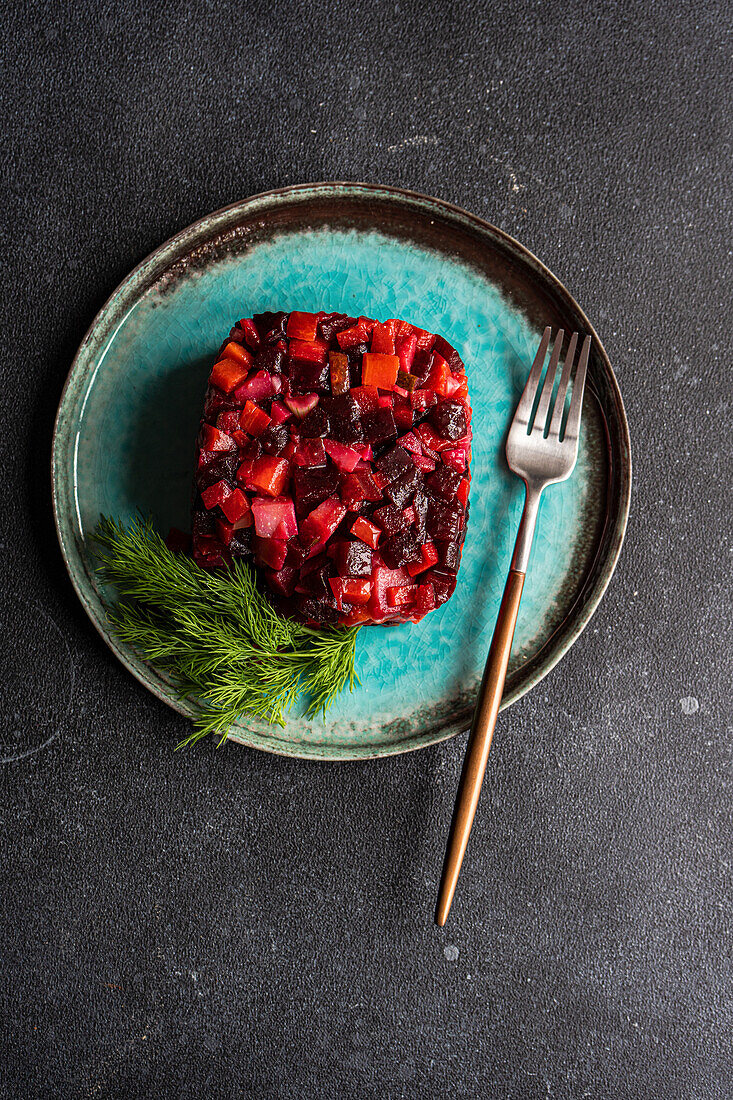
(129, 413)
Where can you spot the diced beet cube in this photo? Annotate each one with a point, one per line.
(228, 422)
(349, 337)
(322, 521)
(443, 584)
(428, 557)
(390, 519)
(310, 452)
(216, 494)
(353, 559)
(449, 419)
(423, 463)
(282, 581)
(444, 482)
(355, 591)
(274, 439)
(270, 552)
(406, 346)
(202, 523)
(223, 468)
(366, 397)
(302, 326)
(274, 519)
(379, 426)
(383, 579)
(401, 548)
(314, 485)
(394, 463)
(456, 459)
(367, 532)
(316, 423)
(323, 612)
(241, 543)
(271, 326)
(279, 413)
(331, 323)
(270, 360)
(360, 486)
(314, 577)
(444, 519)
(383, 337)
(308, 377)
(425, 599)
(432, 443)
(401, 491)
(402, 596)
(462, 493)
(346, 419)
(235, 506)
(450, 554)
(269, 475)
(309, 351)
(344, 458)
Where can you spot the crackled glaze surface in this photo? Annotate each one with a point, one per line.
(126, 435)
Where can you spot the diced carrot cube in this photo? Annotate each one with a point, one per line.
(227, 374)
(253, 419)
(269, 475)
(379, 370)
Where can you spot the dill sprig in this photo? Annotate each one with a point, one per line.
(216, 633)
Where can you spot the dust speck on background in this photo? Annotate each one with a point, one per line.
(689, 704)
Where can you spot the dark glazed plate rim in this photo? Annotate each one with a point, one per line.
(196, 243)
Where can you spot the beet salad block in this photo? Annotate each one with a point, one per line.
(335, 452)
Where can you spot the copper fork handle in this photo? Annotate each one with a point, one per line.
(479, 742)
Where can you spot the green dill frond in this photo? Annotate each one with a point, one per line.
(217, 634)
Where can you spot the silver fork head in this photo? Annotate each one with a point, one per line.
(538, 448)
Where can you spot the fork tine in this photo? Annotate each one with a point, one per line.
(526, 401)
(541, 415)
(562, 389)
(572, 427)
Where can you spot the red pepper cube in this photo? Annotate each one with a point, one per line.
(383, 338)
(254, 419)
(211, 439)
(428, 557)
(367, 532)
(269, 475)
(309, 351)
(236, 506)
(379, 370)
(216, 494)
(338, 365)
(302, 326)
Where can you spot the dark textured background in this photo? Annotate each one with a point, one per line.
(228, 924)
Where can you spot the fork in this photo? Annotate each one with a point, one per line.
(542, 454)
